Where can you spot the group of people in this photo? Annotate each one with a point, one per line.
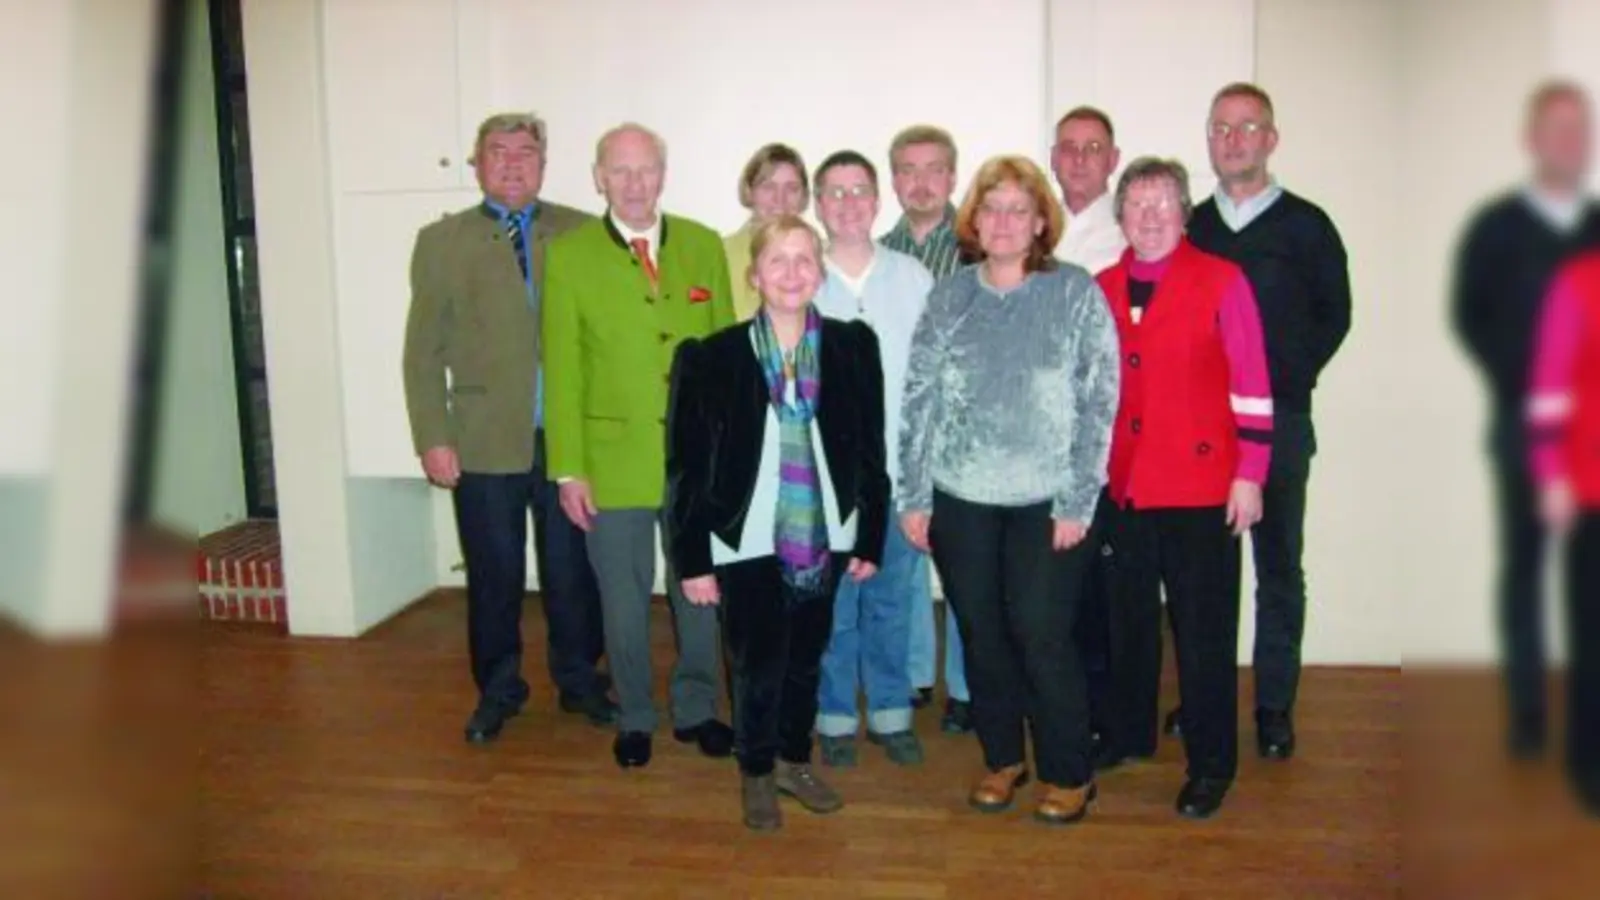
(1526, 307)
(1069, 406)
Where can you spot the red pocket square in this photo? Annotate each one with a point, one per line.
(699, 295)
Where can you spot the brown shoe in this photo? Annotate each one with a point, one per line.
(1063, 805)
(760, 798)
(998, 789)
(801, 783)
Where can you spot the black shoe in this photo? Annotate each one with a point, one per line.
(1274, 734)
(921, 697)
(632, 749)
(599, 708)
(1202, 797)
(1171, 726)
(957, 717)
(715, 739)
(486, 721)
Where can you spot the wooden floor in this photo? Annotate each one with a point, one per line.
(337, 769)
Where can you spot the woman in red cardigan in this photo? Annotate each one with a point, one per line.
(1564, 416)
(1189, 453)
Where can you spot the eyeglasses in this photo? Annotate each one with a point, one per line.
(1223, 130)
(856, 191)
(1159, 204)
(1091, 150)
(1015, 211)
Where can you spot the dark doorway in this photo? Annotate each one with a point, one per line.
(244, 283)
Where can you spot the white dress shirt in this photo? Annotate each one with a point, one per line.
(1092, 238)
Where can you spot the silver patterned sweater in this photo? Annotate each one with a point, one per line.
(1010, 396)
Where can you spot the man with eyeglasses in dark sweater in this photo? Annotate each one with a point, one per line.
(1295, 261)
(1505, 261)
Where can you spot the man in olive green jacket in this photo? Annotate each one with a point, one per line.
(620, 294)
(471, 366)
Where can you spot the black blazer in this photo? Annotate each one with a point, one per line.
(717, 421)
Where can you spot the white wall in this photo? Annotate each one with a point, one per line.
(1467, 78)
(329, 528)
(1396, 118)
(199, 475)
(75, 142)
(1327, 153)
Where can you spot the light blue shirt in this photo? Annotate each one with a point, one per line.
(525, 217)
(893, 294)
(1238, 215)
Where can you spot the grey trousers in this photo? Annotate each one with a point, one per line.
(622, 549)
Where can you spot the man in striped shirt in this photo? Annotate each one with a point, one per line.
(922, 160)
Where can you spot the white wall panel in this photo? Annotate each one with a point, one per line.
(1153, 66)
(719, 78)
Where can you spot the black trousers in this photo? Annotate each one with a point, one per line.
(1520, 582)
(492, 525)
(1277, 544)
(1582, 576)
(1092, 631)
(1194, 555)
(1015, 600)
(773, 642)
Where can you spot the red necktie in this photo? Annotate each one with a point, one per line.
(641, 248)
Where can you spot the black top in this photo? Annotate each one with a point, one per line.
(1140, 293)
(1503, 267)
(717, 422)
(1296, 264)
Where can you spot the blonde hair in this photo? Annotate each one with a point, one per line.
(761, 166)
(1246, 89)
(629, 128)
(922, 134)
(1554, 91)
(508, 123)
(774, 230)
(1022, 172)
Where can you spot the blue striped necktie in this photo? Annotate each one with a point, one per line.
(519, 242)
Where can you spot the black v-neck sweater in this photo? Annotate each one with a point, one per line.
(1296, 263)
(1503, 267)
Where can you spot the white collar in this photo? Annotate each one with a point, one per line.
(629, 235)
(1098, 208)
(1561, 213)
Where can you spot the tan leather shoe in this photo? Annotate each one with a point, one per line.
(801, 783)
(1063, 805)
(996, 791)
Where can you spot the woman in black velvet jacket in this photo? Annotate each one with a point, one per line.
(776, 489)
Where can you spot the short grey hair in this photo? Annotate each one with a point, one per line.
(509, 123)
(1153, 168)
(625, 128)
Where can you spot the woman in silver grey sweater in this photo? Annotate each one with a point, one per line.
(1010, 396)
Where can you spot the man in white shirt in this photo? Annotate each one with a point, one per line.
(1083, 159)
(1084, 156)
(869, 649)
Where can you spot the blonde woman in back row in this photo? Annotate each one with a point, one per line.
(772, 184)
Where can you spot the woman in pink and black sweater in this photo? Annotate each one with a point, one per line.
(1564, 418)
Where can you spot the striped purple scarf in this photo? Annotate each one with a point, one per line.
(801, 536)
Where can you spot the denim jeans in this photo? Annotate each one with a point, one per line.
(925, 643)
(868, 647)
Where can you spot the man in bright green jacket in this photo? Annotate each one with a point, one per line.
(620, 293)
